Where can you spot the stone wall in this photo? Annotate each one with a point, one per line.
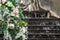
(34, 5)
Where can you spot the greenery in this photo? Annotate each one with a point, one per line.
(11, 15)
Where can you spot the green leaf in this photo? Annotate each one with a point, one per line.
(9, 4)
(0, 23)
(14, 2)
(4, 26)
(22, 23)
(20, 11)
(0, 17)
(0, 5)
(3, 6)
(5, 10)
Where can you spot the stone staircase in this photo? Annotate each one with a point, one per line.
(42, 28)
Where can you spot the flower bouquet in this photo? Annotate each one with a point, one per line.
(11, 20)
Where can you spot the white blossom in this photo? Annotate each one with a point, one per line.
(21, 33)
(2, 1)
(11, 26)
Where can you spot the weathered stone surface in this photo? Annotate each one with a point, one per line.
(53, 5)
(34, 5)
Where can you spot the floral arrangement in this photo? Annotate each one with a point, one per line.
(11, 20)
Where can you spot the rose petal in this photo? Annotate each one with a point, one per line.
(15, 11)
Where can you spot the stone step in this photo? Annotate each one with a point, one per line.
(43, 38)
(38, 18)
(40, 27)
(43, 33)
(44, 30)
(43, 25)
(35, 14)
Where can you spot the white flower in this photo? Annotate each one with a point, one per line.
(11, 26)
(24, 36)
(23, 29)
(2, 1)
(18, 35)
(21, 33)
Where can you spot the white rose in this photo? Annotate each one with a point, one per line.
(24, 29)
(11, 26)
